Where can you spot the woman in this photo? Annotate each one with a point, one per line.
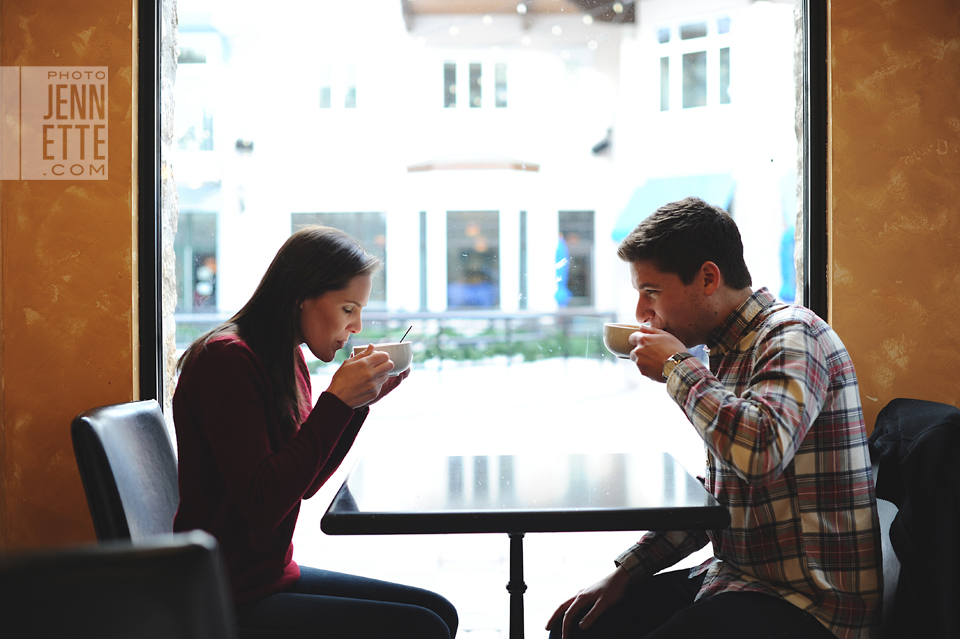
(251, 446)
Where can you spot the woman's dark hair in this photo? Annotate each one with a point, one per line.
(679, 237)
(314, 260)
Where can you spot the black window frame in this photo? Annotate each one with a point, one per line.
(150, 324)
(149, 269)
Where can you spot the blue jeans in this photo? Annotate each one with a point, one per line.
(663, 607)
(333, 605)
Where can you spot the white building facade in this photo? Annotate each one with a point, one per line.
(490, 158)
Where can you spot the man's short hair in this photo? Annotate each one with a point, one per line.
(679, 237)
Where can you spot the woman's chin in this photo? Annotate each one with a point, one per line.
(325, 357)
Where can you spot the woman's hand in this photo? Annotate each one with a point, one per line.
(359, 379)
(596, 599)
(389, 385)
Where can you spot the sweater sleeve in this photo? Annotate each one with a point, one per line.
(340, 450)
(229, 402)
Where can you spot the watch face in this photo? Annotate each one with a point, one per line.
(672, 362)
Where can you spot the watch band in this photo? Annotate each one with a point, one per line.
(672, 362)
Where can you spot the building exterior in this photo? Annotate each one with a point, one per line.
(493, 157)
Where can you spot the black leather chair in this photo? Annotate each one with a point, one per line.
(167, 587)
(128, 468)
(914, 448)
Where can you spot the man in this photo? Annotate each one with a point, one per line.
(779, 412)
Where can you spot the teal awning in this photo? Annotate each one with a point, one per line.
(716, 189)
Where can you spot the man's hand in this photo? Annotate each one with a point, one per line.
(653, 348)
(598, 598)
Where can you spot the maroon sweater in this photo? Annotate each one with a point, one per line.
(241, 480)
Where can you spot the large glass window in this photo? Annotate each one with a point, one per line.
(498, 226)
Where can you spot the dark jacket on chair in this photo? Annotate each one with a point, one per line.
(918, 443)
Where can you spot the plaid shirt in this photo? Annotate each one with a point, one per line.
(780, 416)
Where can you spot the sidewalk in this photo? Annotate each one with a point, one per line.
(568, 406)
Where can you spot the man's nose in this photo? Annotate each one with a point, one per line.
(643, 312)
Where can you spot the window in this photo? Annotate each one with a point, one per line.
(350, 81)
(477, 235)
(476, 85)
(474, 73)
(725, 75)
(473, 268)
(665, 83)
(695, 30)
(337, 85)
(702, 56)
(575, 250)
(449, 85)
(694, 79)
(500, 88)
(326, 98)
(195, 248)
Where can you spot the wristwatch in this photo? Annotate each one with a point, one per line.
(672, 362)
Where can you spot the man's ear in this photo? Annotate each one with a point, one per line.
(711, 278)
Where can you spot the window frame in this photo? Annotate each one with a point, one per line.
(149, 268)
(813, 24)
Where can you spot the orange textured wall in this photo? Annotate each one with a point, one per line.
(895, 196)
(68, 260)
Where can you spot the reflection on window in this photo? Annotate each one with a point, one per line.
(500, 89)
(449, 85)
(473, 264)
(195, 247)
(723, 25)
(370, 228)
(694, 79)
(476, 88)
(575, 259)
(663, 35)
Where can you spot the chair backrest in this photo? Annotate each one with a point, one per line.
(891, 564)
(128, 468)
(169, 587)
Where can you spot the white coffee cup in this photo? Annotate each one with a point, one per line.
(401, 354)
(616, 336)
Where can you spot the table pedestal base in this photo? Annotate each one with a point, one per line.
(516, 587)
